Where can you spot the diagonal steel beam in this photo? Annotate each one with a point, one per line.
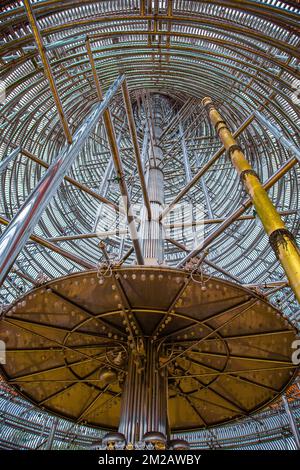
(233, 217)
(219, 220)
(206, 261)
(278, 134)
(39, 161)
(72, 181)
(5, 161)
(281, 239)
(204, 169)
(214, 158)
(112, 140)
(126, 255)
(47, 68)
(136, 148)
(22, 225)
(57, 249)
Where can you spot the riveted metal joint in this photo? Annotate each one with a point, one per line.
(245, 173)
(208, 107)
(232, 148)
(279, 237)
(219, 126)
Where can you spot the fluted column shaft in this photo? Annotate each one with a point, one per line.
(144, 399)
(152, 232)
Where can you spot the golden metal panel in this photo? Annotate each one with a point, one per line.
(227, 351)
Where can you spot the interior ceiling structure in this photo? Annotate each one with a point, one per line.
(245, 55)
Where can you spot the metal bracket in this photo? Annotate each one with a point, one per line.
(245, 173)
(232, 148)
(277, 238)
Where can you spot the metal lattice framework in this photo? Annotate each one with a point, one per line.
(240, 53)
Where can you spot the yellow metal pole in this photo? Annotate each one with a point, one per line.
(47, 68)
(281, 239)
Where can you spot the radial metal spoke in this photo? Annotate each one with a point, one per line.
(194, 408)
(250, 335)
(52, 369)
(243, 358)
(251, 302)
(235, 405)
(203, 400)
(240, 371)
(85, 411)
(58, 328)
(202, 321)
(242, 379)
(66, 388)
(45, 337)
(89, 314)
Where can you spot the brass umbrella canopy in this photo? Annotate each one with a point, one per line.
(147, 350)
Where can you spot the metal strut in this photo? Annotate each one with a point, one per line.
(112, 140)
(22, 225)
(281, 240)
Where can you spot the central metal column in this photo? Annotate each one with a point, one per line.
(144, 400)
(152, 232)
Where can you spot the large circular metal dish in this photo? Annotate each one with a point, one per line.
(227, 351)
